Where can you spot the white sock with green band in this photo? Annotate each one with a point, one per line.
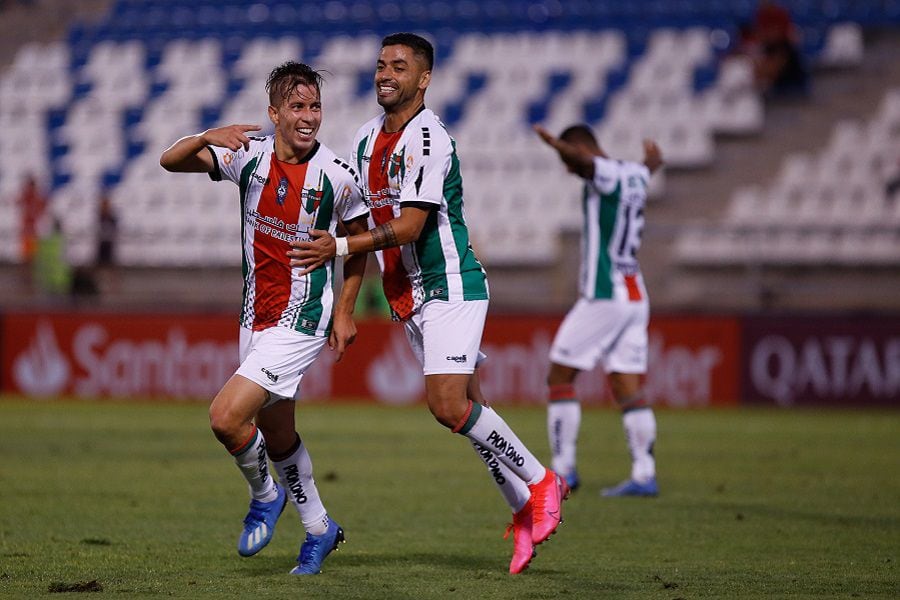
(252, 460)
(481, 424)
(514, 490)
(295, 472)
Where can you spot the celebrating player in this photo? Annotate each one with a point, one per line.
(434, 283)
(289, 183)
(609, 321)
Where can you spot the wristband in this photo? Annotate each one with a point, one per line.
(341, 247)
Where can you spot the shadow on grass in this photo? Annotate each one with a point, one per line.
(746, 510)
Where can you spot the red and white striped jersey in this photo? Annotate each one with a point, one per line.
(418, 166)
(280, 202)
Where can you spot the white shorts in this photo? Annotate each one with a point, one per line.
(611, 331)
(445, 336)
(276, 358)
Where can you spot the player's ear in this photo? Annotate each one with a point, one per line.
(424, 80)
(273, 115)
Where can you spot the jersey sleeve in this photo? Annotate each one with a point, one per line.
(427, 160)
(350, 204)
(606, 174)
(228, 164)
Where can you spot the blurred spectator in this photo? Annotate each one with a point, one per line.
(779, 68)
(51, 270)
(107, 232)
(773, 22)
(772, 42)
(371, 302)
(33, 205)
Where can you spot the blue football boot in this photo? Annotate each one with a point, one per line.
(630, 487)
(572, 480)
(316, 548)
(259, 524)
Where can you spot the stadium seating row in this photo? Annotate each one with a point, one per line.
(97, 111)
(831, 206)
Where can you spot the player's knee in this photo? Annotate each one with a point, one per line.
(225, 423)
(446, 411)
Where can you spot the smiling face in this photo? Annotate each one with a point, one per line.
(297, 120)
(401, 79)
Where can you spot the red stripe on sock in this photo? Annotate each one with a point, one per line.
(634, 405)
(562, 391)
(243, 445)
(465, 417)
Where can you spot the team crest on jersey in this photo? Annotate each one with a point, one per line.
(395, 164)
(281, 192)
(312, 198)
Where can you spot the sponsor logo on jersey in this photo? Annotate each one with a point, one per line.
(396, 163)
(308, 324)
(385, 197)
(281, 192)
(627, 269)
(439, 291)
(505, 448)
(272, 376)
(458, 359)
(312, 199)
(292, 478)
(260, 178)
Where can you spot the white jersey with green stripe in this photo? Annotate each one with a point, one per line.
(418, 166)
(613, 205)
(280, 202)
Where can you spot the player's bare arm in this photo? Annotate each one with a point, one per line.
(189, 155)
(322, 247)
(343, 330)
(653, 158)
(578, 159)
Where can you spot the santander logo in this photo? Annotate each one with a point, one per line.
(42, 369)
(395, 377)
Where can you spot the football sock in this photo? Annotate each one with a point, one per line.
(253, 462)
(563, 423)
(483, 425)
(514, 490)
(640, 431)
(295, 473)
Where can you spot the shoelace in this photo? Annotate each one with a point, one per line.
(509, 528)
(308, 557)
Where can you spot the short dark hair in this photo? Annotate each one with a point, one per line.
(579, 134)
(420, 46)
(287, 76)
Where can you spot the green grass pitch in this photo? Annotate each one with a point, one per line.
(140, 499)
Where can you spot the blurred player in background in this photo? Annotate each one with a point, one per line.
(609, 321)
(434, 283)
(289, 183)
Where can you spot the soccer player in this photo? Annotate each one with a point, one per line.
(433, 282)
(609, 321)
(289, 183)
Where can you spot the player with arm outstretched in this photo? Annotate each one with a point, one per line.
(609, 321)
(434, 283)
(289, 183)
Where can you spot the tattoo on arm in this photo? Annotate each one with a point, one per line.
(383, 237)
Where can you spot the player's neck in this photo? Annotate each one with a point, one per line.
(287, 154)
(396, 120)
